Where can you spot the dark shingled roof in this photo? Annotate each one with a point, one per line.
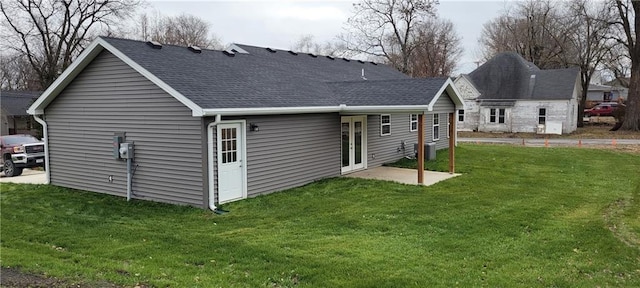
(508, 76)
(15, 103)
(260, 78)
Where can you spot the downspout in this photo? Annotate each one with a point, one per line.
(46, 147)
(213, 203)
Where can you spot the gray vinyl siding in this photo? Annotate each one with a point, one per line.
(107, 97)
(389, 148)
(290, 151)
(443, 107)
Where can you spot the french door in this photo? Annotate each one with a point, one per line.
(354, 146)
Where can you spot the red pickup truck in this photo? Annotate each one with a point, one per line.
(602, 109)
(19, 152)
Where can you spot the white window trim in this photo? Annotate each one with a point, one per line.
(543, 116)
(411, 121)
(497, 115)
(436, 127)
(385, 124)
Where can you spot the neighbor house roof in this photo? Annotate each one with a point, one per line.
(250, 79)
(508, 76)
(15, 103)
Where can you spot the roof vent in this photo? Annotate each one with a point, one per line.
(374, 63)
(271, 50)
(229, 53)
(195, 49)
(361, 61)
(154, 44)
(314, 56)
(292, 53)
(330, 57)
(345, 59)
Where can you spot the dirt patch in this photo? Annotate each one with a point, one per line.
(589, 131)
(14, 278)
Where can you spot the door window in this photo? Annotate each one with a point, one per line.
(345, 144)
(229, 145)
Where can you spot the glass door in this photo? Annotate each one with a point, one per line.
(353, 143)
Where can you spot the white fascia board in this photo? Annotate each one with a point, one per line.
(453, 92)
(417, 109)
(84, 59)
(269, 110)
(318, 109)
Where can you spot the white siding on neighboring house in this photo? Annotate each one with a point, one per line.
(527, 116)
(472, 110)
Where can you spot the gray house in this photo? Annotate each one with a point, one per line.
(211, 127)
(510, 94)
(13, 112)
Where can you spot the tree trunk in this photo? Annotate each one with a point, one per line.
(582, 103)
(632, 115)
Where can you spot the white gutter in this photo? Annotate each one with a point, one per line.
(46, 147)
(320, 109)
(210, 153)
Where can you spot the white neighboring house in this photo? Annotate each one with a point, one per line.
(606, 93)
(469, 117)
(509, 94)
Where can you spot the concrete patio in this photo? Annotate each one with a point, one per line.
(401, 175)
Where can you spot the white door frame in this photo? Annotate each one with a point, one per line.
(214, 153)
(352, 166)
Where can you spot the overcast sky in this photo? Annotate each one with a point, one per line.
(280, 23)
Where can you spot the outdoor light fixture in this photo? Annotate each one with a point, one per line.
(253, 127)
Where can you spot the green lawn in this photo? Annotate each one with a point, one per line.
(528, 217)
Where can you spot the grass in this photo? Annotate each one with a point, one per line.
(552, 217)
(589, 131)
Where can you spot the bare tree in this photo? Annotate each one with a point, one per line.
(532, 29)
(50, 34)
(184, 30)
(627, 20)
(437, 49)
(307, 44)
(386, 28)
(587, 36)
(17, 74)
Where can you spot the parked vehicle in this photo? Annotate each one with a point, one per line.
(602, 109)
(19, 152)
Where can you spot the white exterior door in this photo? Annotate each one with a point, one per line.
(231, 175)
(354, 143)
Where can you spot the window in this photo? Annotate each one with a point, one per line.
(229, 145)
(385, 124)
(413, 122)
(542, 116)
(496, 115)
(460, 115)
(436, 127)
(608, 96)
